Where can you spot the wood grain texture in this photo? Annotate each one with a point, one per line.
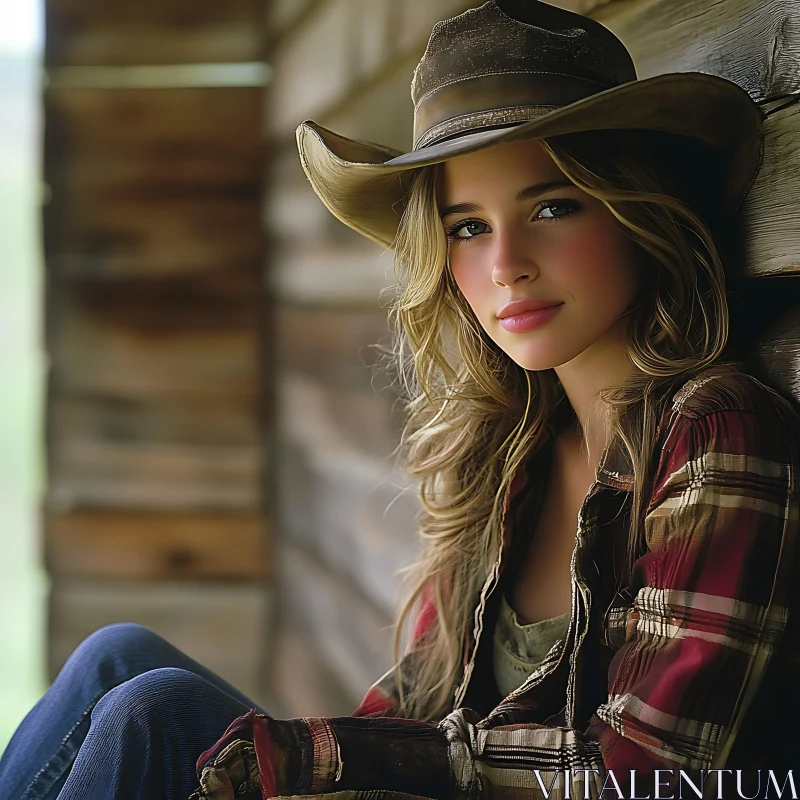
(157, 451)
(314, 258)
(154, 511)
(332, 343)
(97, 33)
(755, 43)
(771, 210)
(160, 349)
(92, 473)
(342, 46)
(191, 137)
(209, 419)
(333, 419)
(302, 683)
(352, 636)
(121, 544)
(766, 307)
(281, 14)
(354, 517)
(163, 182)
(126, 234)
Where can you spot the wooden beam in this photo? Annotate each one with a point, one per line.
(101, 33)
(131, 544)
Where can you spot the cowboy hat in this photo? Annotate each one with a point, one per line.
(524, 69)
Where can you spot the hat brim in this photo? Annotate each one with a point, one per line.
(362, 183)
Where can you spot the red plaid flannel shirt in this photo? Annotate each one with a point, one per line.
(664, 687)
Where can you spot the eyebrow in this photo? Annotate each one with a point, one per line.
(524, 194)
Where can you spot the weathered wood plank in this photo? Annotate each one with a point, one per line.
(150, 546)
(313, 272)
(332, 419)
(771, 210)
(352, 635)
(302, 683)
(154, 511)
(136, 351)
(318, 58)
(359, 521)
(93, 32)
(754, 43)
(213, 419)
(96, 473)
(190, 137)
(225, 627)
(281, 14)
(333, 344)
(162, 182)
(214, 239)
(381, 111)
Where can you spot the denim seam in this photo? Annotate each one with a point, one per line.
(42, 772)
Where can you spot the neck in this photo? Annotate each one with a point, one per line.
(602, 365)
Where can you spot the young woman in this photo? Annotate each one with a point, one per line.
(605, 605)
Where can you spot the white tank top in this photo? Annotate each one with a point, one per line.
(520, 649)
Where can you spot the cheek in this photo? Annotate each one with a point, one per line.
(472, 283)
(599, 266)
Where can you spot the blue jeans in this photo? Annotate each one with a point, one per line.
(126, 718)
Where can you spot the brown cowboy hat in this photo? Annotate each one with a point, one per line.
(523, 69)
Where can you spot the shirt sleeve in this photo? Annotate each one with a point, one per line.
(711, 603)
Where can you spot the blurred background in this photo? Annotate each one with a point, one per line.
(193, 436)
(24, 582)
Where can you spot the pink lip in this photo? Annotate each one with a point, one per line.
(520, 306)
(528, 320)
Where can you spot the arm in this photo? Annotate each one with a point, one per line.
(721, 531)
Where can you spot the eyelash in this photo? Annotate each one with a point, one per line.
(452, 230)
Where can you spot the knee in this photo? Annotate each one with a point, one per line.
(150, 699)
(119, 645)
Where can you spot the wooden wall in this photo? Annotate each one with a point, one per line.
(157, 391)
(347, 64)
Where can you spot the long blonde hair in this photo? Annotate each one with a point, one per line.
(473, 415)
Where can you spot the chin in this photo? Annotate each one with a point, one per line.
(534, 364)
(545, 358)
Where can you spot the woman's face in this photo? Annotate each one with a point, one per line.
(518, 230)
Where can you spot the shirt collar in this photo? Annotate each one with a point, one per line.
(616, 468)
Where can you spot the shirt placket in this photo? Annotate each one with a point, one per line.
(582, 596)
(581, 608)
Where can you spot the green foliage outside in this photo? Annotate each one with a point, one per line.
(24, 583)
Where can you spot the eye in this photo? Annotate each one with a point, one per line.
(468, 229)
(471, 226)
(551, 205)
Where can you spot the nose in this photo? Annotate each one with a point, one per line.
(512, 260)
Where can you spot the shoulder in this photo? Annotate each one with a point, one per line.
(727, 388)
(725, 425)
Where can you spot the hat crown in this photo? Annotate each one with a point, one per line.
(526, 40)
(520, 35)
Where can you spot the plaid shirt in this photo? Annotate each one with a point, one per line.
(688, 669)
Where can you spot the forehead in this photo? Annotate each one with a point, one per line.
(509, 165)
